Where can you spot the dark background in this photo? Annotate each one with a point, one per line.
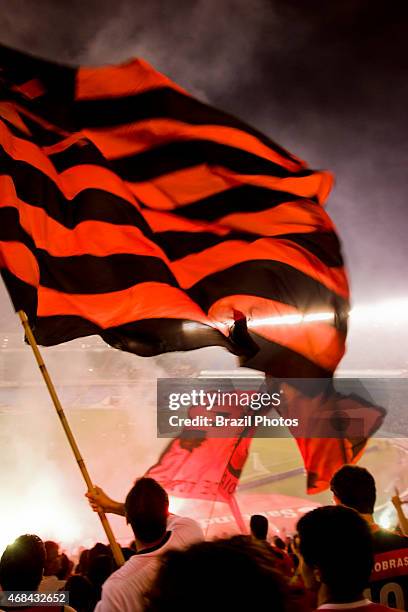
(327, 80)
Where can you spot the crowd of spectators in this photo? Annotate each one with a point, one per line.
(338, 559)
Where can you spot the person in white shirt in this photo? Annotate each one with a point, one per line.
(156, 531)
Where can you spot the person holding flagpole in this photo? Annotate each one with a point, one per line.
(156, 531)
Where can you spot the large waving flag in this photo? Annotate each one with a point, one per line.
(131, 210)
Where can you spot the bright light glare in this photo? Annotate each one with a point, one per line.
(176, 504)
(319, 316)
(191, 326)
(388, 311)
(386, 518)
(395, 311)
(45, 512)
(292, 319)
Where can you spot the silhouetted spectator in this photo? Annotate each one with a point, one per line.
(287, 565)
(259, 526)
(279, 543)
(81, 593)
(66, 567)
(337, 558)
(97, 550)
(353, 486)
(51, 582)
(82, 567)
(21, 569)
(230, 574)
(99, 569)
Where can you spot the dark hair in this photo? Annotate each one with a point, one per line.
(99, 569)
(190, 579)
(259, 526)
(22, 564)
(147, 508)
(128, 552)
(279, 543)
(81, 593)
(65, 567)
(354, 487)
(52, 559)
(337, 541)
(82, 567)
(97, 550)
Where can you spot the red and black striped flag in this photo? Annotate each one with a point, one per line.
(131, 210)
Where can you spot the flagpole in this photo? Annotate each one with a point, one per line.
(116, 550)
(236, 511)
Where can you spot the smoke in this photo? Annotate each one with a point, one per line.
(109, 398)
(200, 44)
(114, 426)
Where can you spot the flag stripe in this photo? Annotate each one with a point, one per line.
(316, 341)
(20, 155)
(272, 222)
(145, 337)
(146, 300)
(175, 156)
(269, 222)
(160, 196)
(281, 362)
(245, 198)
(36, 229)
(164, 102)
(130, 78)
(23, 295)
(89, 274)
(20, 261)
(266, 251)
(270, 280)
(117, 272)
(134, 138)
(108, 274)
(180, 244)
(86, 203)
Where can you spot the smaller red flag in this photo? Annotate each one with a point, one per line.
(196, 465)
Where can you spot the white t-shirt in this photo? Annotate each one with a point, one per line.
(124, 590)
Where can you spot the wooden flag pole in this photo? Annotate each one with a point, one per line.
(116, 550)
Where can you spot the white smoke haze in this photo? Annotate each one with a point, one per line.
(109, 398)
(177, 41)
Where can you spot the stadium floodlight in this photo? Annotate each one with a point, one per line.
(395, 311)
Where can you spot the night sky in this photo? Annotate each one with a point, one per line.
(327, 80)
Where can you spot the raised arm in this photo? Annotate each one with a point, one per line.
(403, 521)
(100, 501)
